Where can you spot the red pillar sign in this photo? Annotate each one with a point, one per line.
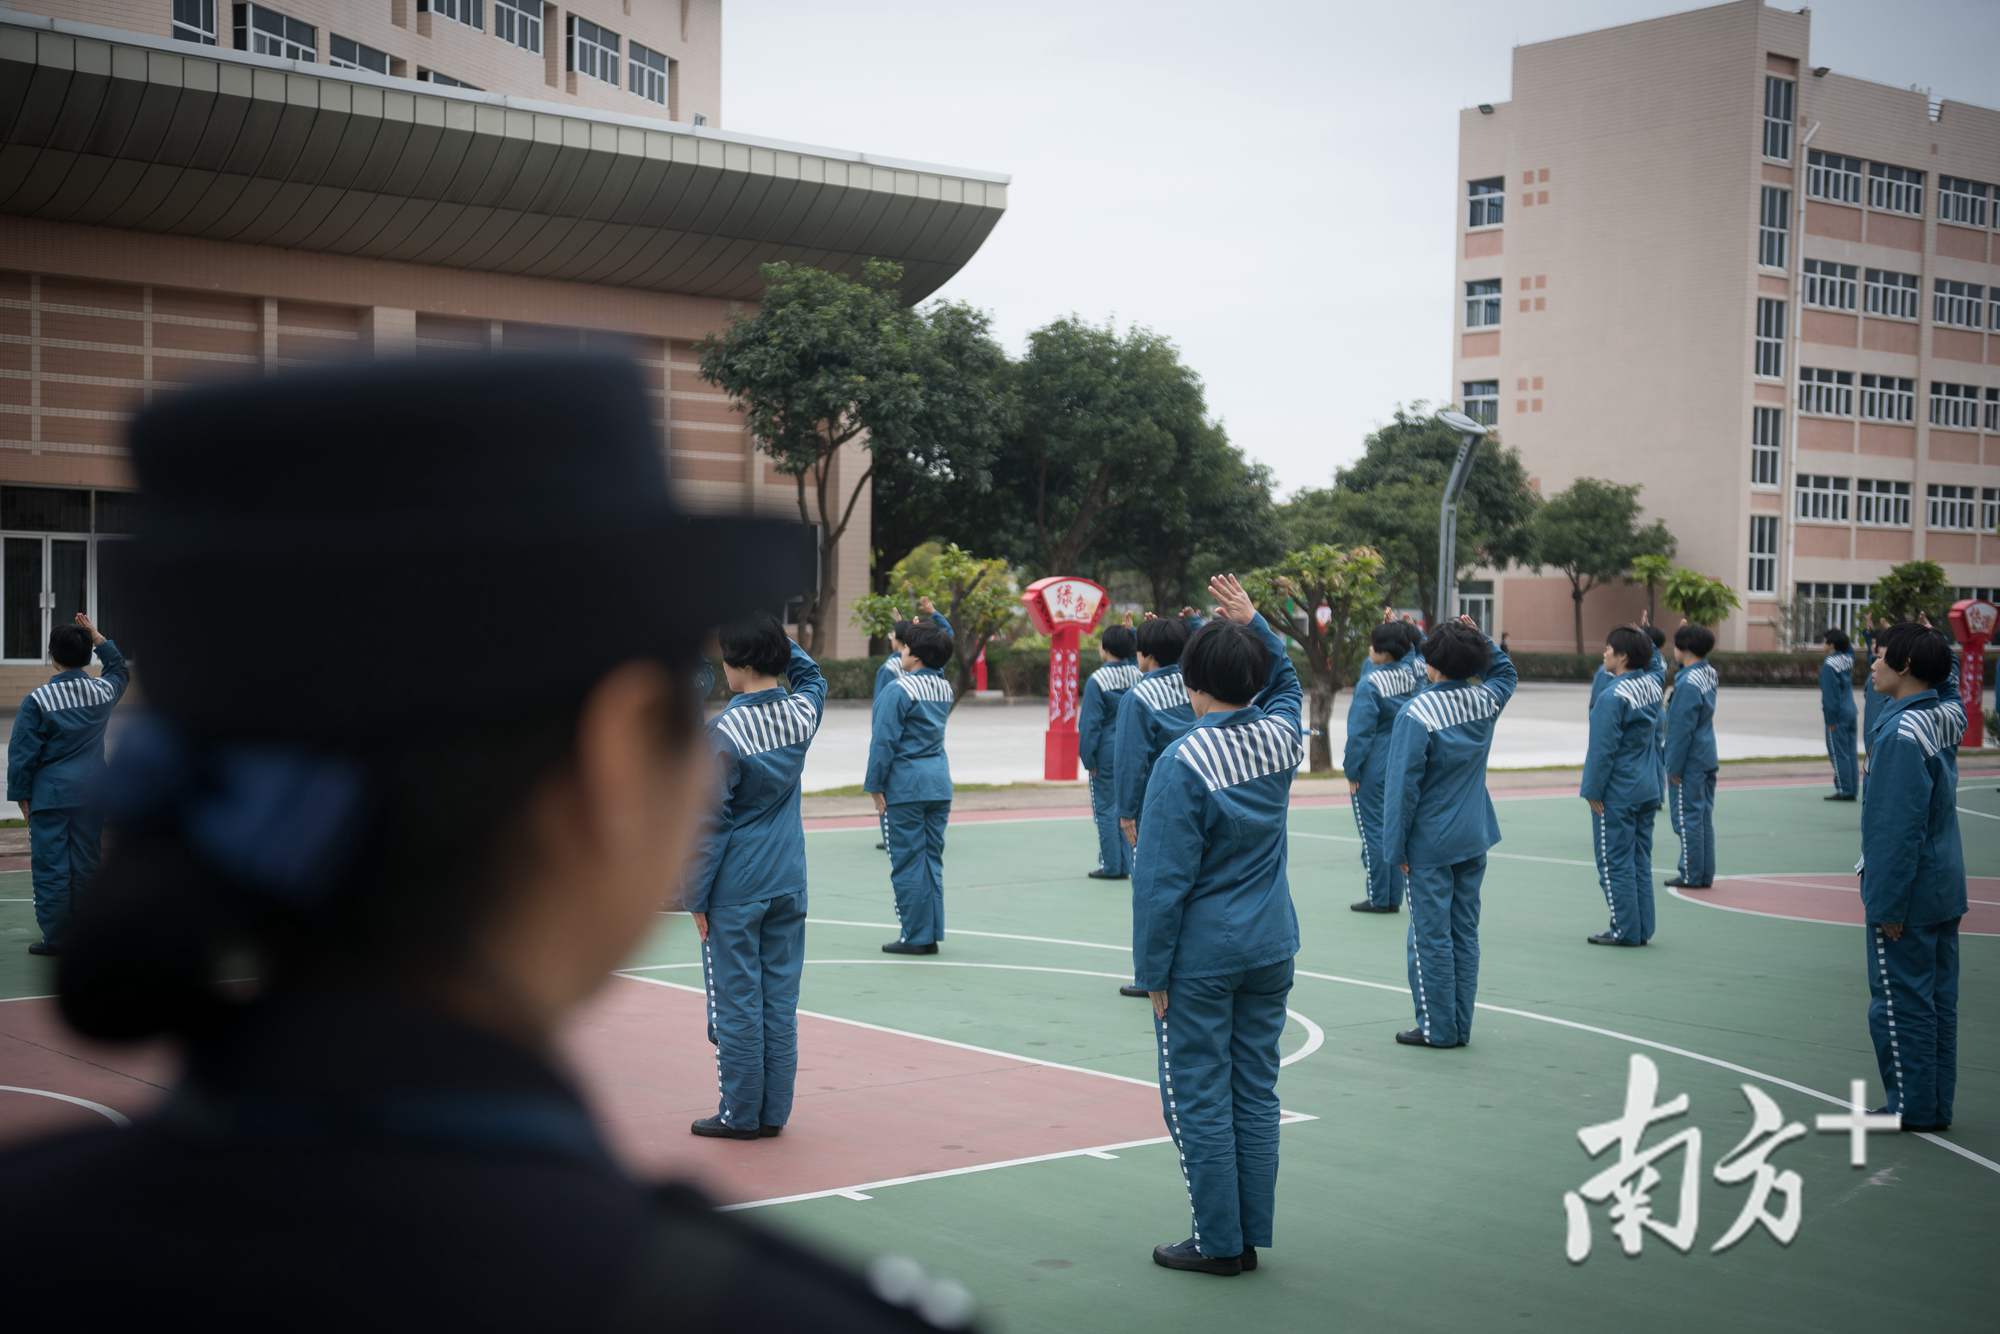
(1063, 608)
(1972, 625)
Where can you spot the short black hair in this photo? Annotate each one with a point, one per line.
(69, 645)
(1633, 645)
(1836, 639)
(757, 643)
(1226, 660)
(1163, 639)
(1388, 637)
(1656, 634)
(929, 642)
(1120, 642)
(900, 632)
(1696, 639)
(1919, 650)
(1413, 635)
(1456, 650)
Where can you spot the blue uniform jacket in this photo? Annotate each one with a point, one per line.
(1435, 810)
(1622, 766)
(1691, 721)
(1370, 714)
(755, 848)
(1097, 725)
(1209, 891)
(1836, 688)
(57, 750)
(892, 666)
(1872, 701)
(1151, 717)
(906, 760)
(1912, 865)
(1600, 679)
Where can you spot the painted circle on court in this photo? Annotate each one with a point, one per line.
(1821, 896)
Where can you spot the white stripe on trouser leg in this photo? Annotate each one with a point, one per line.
(708, 957)
(1417, 957)
(1604, 870)
(1367, 863)
(1681, 819)
(1174, 1122)
(1889, 1012)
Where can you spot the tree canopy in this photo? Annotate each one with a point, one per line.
(1910, 590)
(1702, 600)
(975, 593)
(1592, 533)
(1289, 591)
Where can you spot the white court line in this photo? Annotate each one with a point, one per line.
(116, 1118)
(1831, 889)
(1788, 917)
(1984, 815)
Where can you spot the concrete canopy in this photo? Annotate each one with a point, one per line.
(106, 128)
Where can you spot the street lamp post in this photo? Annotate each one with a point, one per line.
(1470, 433)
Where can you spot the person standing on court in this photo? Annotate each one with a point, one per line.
(1153, 715)
(892, 667)
(54, 759)
(1621, 781)
(1912, 872)
(1438, 822)
(1691, 757)
(1394, 673)
(1214, 931)
(909, 779)
(747, 894)
(1836, 708)
(1097, 746)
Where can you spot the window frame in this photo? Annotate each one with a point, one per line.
(1819, 497)
(1822, 384)
(520, 16)
(1960, 402)
(1767, 454)
(636, 66)
(191, 29)
(1991, 419)
(1962, 202)
(243, 22)
(1767, 359)
(1473, 402)
(1482, 303)
(1894, 391)
(604, 58)
(457, 11)
(1962, 308)
(1875, 494)
(1774, 239)
(1765, 562)
(1951, 507)
(1486, 207)
(1780, 115)
(1842, 280)
(1906, 290)
(1889, 183)
(1843, 609)
(335, 61)
(1834, 178)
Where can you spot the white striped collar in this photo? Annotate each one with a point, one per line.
(926, 685)
(789, 720)
(1163, 689)
(1639, 689)
(1116, 676)
(1446, 705)
(1227, 753)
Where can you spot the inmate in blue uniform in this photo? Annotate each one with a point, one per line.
(1153, 715)
(1836, 707)
(1913, 872)
(1622, 770)
(1378, 696)
(750, 881)
(1438, 820)
(891, 668)
(1691, 765)
(54, 758)
(1097, 750)
(1213, 927)
(907, 765)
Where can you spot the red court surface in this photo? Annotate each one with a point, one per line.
(1832, 898)
(873, 1107)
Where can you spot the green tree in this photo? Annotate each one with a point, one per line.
(828, 361)
(1591, 533)
(1349, 581)
(1652, 571)
(976, 594)
(1914, 588)
(1702, 600)
(1211, 511)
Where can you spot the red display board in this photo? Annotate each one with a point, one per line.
(1972, 625)
(1063, 607)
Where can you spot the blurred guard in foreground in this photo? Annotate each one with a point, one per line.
(414, 839)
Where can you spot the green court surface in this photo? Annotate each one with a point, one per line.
(1426, 1190)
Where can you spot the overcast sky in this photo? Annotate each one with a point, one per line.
(1211, 169)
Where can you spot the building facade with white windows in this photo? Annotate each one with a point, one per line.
(1766, 292)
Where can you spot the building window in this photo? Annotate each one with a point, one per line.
(1774, 227)
(1817, 606)
(1896, 189)
(346, 53)
(1488, 197)
(1820, 499)
(1993, 410)
(1952, 509)
(464, 11)
(1475, 599)
(1826, 393)
(266, 32)
(1888, 398)
(443, 80)
(1770, 349)
(1892, 294)
(1954, 302)
(649, 74)
(1830, 286)
(1482, 401)
(194, 21)
(1955, 406)
(593, 50)
(1833, 177)
(1962, 201)
(1962, 592)
(1482, 304)
(1763, 553)
(1767, 433)
(49, 566)
(1881, 504)
(1778, 94)
(519, 22)
(1989, 516)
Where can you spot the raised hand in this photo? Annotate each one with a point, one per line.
(925, 607)
(1388, 613)
(1187, 612)
(1232, 602)
(89, 628)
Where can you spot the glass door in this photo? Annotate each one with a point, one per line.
(69, 582)
(44, 582)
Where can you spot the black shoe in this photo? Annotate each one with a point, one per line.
(1606, 938)
(713, 1127)
(41, 947)
(1249, 1258)
(1185, 1255)
(769, 1132)
(1676, 882)
(1369, 905)
(1707, 884)
(1839, 796)
(905, 947)
(1414, 1037)
(1107, 875)
(1130, 990)
(881, 847)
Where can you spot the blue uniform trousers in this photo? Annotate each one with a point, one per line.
(751, 962)
(1840, 749)
(1219, 1091)
(1693, 814)
(1384, 882)
(916, 868)
(1913, 1018)
(1114, 854)
(1623, 842)
(1443, 948)
(883, 821)
(63, 847)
